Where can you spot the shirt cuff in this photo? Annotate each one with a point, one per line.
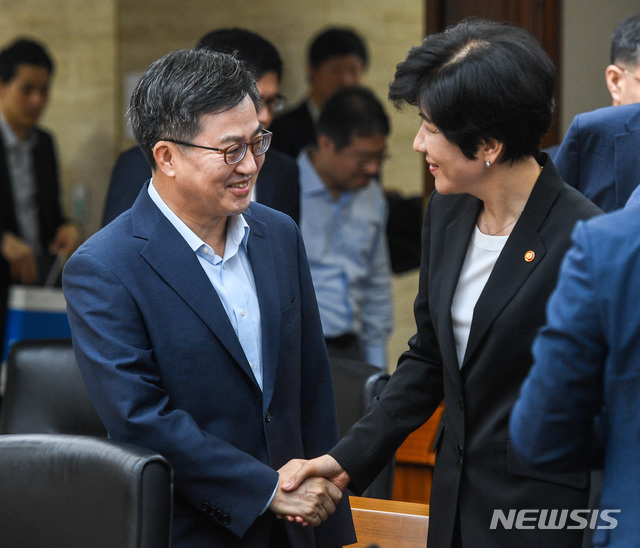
(270, 499)
(376, 354)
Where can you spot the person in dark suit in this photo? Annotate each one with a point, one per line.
(599, 155)
(32, 227)
(278, 183)
(195, 323)
(579, 408)
(337, 57)
(495, 231)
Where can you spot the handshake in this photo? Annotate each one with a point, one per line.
(308, 491)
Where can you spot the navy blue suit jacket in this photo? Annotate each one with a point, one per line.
(588, 357)
(600, 155)
(165, 370)
(277, 186)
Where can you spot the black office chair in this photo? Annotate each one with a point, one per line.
(45, 393)
(355, 385)
(80, 491)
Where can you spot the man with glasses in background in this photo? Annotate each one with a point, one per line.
(278, 183)
(342, 219)
(195, 323)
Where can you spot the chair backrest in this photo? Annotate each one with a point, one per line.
(356, 384)
(389, 523)
(78, 491)
(45, 393)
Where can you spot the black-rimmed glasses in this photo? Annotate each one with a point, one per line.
(234, 154)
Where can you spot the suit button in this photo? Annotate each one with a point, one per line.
(460, 404)
(459, 464)
(268, 417)
(459, 449)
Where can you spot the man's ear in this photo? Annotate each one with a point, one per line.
(325, 143)
(165, 155)
(614, 77)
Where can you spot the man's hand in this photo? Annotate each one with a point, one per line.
(311, 503)
(325, 467)
(21, 258)
(66, 240)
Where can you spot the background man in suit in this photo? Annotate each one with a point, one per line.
(599, 154)
(195, 323)
(337, 57)
(31, 222)
(278, 184)
(343, 220)
(579, 407)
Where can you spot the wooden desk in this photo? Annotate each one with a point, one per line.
(389, 523)
(414, 462)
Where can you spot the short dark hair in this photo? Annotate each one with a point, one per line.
(336, 42)
(259, 54)
(23, 51)
(481, 80)
(350, 111)
(625, 42)
(177, 89)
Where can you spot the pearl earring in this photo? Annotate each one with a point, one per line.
(488, 163)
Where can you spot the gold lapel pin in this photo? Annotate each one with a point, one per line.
(529, 256)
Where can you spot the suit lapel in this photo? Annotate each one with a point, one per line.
(264, 274)
(457, 238)
(182, 271)
(516, 262)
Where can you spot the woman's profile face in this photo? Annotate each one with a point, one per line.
(454, 173)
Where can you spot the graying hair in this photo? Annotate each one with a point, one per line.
(177, 89)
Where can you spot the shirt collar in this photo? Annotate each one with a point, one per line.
(11, 139)
(237, 227)
(311, 183)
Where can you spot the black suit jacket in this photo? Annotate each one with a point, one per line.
(294, 130)
(277, 186)
(475, 470)
(47, 194)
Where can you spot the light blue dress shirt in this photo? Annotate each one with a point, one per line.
(346, 245)
(232, 278)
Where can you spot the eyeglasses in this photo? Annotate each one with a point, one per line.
(366, 158)
(275, 104)
(628, 73)
(235, 153)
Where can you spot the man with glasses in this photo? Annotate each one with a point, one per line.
(342, 219)
(195, 323)
(278, 183)
(599, 155)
